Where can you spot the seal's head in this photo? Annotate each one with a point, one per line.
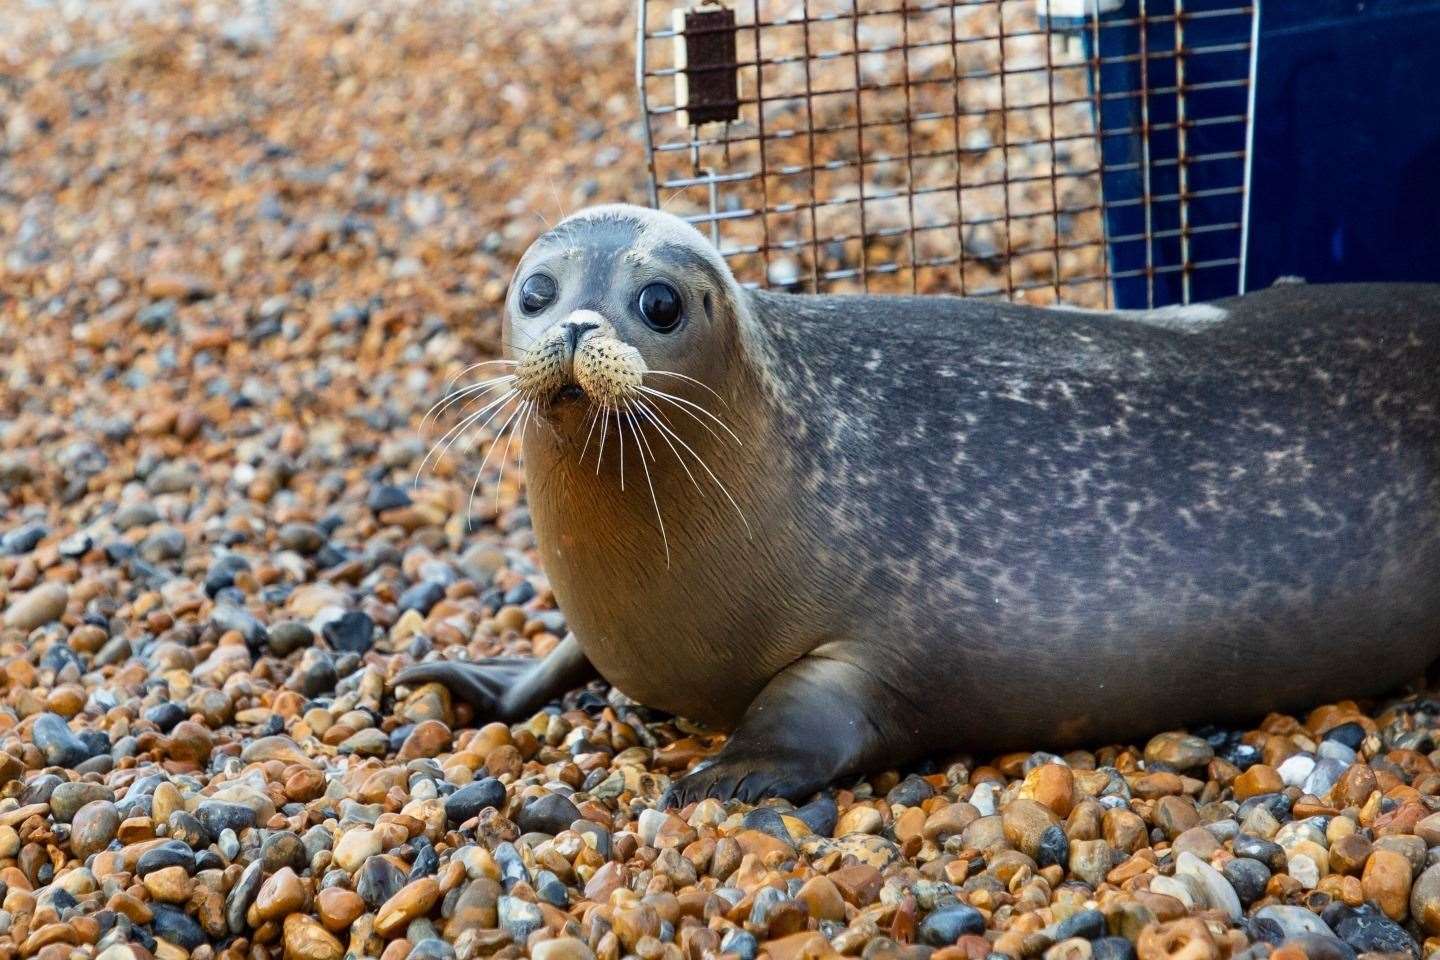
(610, 295)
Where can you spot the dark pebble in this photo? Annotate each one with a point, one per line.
(222, 572)
(386, 496)
(317, 677)
(766, 820)
(155, 316)
(162, 545)
(742, 943)
(820, 815)
(910, 792)
(1242, 755)
(378, 880)
(1248, 877)
(76, 545)
(170, 853)
(1263, 930)
(1270, 855)
(549, 888)
(303, 538)
(1277, 803)
(1054, 848)
(118, 551)
(97, 742)
(1089, 924)
(242, 894)
(1376, 933)
(185, 828)
(523, 592)
(283, 849)
(352, 631)
(58, 656)
(550, 814)
(166, 715)
(948, 924)
(208, 860)
(40, 789)
(23, 539)
(1349, 734)
(218, 815)
(227, 616)
(470, 799)
(421, 597)
(174, 925)
(288, 636)
(52, 735)
(427, 863)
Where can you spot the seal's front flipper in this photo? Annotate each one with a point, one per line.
(507, 688)
(818, 719)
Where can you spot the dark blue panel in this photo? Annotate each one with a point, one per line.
(1346, 156)
(1346, 177)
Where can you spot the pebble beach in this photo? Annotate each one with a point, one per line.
(242, 254)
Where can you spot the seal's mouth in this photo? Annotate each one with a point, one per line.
(570, 393)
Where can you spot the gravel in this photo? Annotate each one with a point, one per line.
(258, 247)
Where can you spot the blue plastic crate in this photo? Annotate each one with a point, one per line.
(1336, 106)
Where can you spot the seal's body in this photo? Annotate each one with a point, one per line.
(966, 523)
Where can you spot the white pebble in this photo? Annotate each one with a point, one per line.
(1304, 870)
(1218, 892)
(983, 799)
(1296, 769)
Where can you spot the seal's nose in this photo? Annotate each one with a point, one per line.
(574, 330)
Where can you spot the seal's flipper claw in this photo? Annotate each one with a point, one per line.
(504, 688)
(798, 736)
(748, 781)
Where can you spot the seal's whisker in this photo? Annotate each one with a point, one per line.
(442, 446)
(650, 413)
(480, 471)
(451, 381)
(604, 429)
(451, 399)
(629, 407)
(454, 433)
(465, 422)
(749, 535)
(620, 439)
(594, 418)
(668, 399)
(664, 538)
(506, 455)
(699, 383)
(690, 405)
(502, 362)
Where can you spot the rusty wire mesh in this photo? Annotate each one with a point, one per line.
(945, 145)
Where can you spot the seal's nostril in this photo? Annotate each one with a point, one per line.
(574, 331)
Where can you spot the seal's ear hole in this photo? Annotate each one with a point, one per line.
(709, 308)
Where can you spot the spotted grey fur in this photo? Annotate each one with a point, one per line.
(981, 525)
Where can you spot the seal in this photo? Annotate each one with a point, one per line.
(856, 530)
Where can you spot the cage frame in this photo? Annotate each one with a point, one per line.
(1095, 97)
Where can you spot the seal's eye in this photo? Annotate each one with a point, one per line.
(537, 292)
(660, 307)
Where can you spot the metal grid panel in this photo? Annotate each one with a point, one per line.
(921, 145)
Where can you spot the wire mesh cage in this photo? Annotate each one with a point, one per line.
(1081, 151)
